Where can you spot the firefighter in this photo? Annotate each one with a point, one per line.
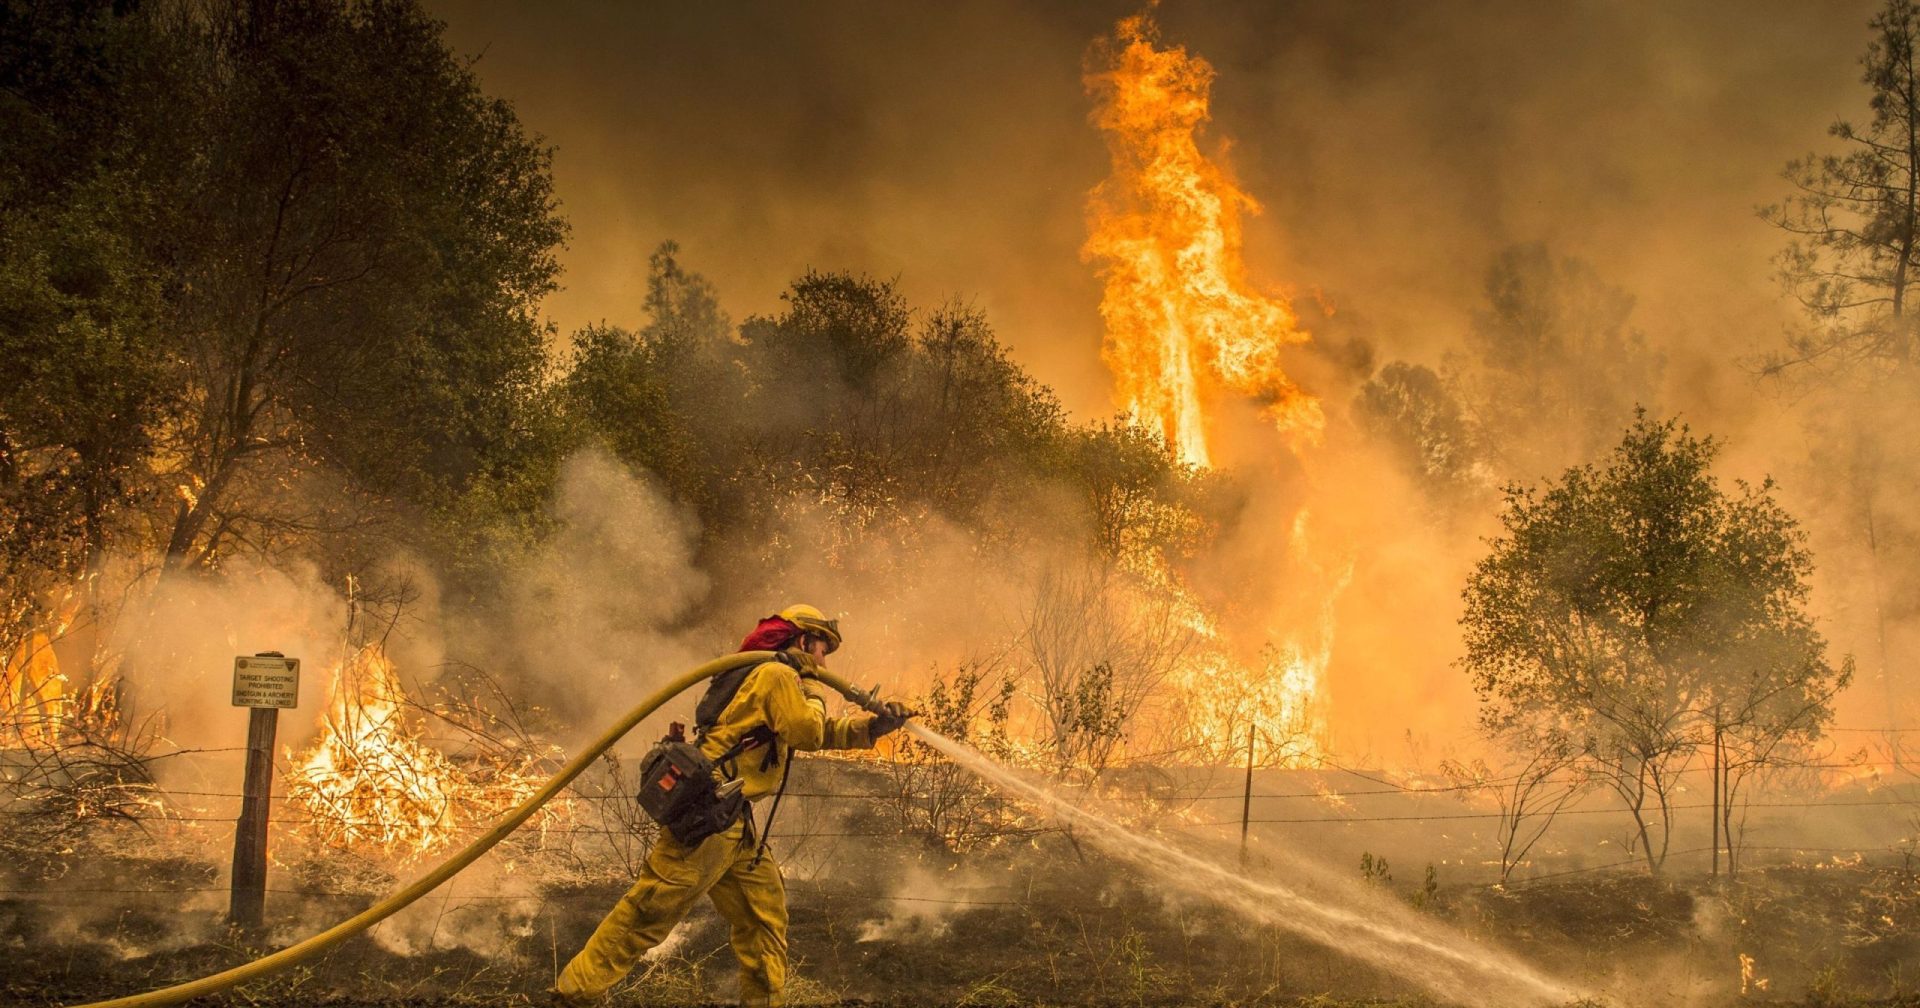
(774, 705)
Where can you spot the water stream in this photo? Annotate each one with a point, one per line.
(1363, 925)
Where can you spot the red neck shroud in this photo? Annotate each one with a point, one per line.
(773, 634)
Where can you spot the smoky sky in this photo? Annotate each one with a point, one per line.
(1395, 147)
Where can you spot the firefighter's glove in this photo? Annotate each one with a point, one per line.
(888, 719)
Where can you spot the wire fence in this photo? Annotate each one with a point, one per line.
(1390, 787)
(881, 798)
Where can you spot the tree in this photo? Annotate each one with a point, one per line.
(1531, 794)
(881, 411)
(91, 382)
(671, 397)
(369, 238)
(1554, 365)
(1853, 220)
(1629, 608)
(1135, 493)
(269, 272)
(1410, 410)
(1101, 645)
(930, 795)
(827, 400)
(1855, 216)
(985, 426)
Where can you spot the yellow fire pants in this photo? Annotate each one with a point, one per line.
(750, 897)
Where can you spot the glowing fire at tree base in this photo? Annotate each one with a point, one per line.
(1279, 700)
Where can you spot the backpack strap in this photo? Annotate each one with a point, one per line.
(719, 695)
(724, 687)
(766, 828)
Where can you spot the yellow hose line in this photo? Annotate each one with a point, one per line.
(452, 866)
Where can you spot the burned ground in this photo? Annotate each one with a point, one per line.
(1055, 922)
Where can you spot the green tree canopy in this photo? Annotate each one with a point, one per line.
(1629, 606)
(287, 256)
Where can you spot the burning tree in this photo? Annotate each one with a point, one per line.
(1185, 330)
(1631, 609)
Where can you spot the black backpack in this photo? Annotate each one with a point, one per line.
(680, 788)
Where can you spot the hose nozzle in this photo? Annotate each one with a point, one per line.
(865, 699)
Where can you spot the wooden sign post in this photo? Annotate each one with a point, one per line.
(265, 682)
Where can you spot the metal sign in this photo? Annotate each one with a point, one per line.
(266, 681)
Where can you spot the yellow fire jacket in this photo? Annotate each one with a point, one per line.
(772, 695)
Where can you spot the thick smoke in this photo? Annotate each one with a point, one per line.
(175, 656)
(600, 613)
(1400, 151)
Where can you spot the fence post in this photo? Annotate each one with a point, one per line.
(264, 682)
(249, 898)
(1246, 799)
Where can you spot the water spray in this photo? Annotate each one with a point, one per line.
(1445, 963)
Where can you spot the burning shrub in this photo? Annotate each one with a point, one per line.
(67, 766)
(373, 780)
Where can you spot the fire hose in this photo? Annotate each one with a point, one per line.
(447, 869)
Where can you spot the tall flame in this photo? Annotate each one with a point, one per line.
(1184, 330)
(40, 704)
(1181, 322)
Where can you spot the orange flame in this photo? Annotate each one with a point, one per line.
(1183, 328)
(34, 701)
(1181, 322)
(372, 780)
(1281, 700)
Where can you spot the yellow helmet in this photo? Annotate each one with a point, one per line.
(815, 622)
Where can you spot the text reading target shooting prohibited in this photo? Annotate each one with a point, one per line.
(266, 681)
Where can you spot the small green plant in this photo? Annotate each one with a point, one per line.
(1429, 890)
(929, 795)
(1145, 978)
